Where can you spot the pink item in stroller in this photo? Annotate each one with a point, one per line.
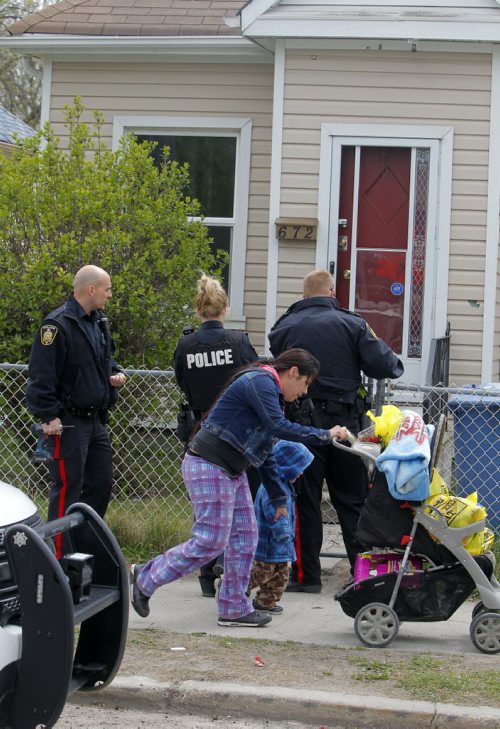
(374, 564)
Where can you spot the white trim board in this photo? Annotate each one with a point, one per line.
(241, 128)
(492, 234)
(275, 193)
(255, 9)
(46, 92)
(408, 45)
(278, 26)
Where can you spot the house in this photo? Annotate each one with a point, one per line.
(363, 137)
(10, 125)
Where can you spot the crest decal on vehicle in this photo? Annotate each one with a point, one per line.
(20, 539)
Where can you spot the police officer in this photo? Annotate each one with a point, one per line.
(203, 362)
(72, 384)
(344, 344)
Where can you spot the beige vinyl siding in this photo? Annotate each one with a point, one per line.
(6, 149)
(225, 90)
(444, 89)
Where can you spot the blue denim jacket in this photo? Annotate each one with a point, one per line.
(249, 416)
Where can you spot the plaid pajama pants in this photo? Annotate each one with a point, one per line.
(224, 522)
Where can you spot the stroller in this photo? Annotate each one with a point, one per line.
(426, 581)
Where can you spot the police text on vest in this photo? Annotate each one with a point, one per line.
(210, 359)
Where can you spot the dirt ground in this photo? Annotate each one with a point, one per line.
(171, 657)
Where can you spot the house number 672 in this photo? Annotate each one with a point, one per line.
(296, 232)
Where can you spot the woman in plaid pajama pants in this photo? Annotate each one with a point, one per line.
(239, 431)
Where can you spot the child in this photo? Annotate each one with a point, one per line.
(276, 547)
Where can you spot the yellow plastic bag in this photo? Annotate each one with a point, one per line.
(480, 542)
(437, 485)
(387, 423)
(461, 511)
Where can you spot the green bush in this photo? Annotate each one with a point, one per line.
(62, 208)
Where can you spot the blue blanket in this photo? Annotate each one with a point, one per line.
(405, 461)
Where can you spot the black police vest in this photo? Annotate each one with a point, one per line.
(207, 367)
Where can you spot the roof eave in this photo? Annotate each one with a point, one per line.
(278, 27)
(77, 47)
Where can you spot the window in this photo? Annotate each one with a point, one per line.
(212, 166)
(218, 154)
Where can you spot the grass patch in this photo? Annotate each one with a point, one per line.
(146, 528)
(371, 670)
(431, 679)
(149, 638)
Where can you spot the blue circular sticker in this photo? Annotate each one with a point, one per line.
(397, 289)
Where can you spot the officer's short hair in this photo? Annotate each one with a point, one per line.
(318, 283)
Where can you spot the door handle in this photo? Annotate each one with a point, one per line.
(346, 274)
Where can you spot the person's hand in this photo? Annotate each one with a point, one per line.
(117, 380)
(338, 432)
(53, 427)
(280, 511)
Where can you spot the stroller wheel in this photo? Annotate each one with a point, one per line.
(485, 632)
(478, 608)
(376, 625)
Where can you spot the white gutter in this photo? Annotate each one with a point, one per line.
(275, 194)
(74, 46)
(492, 252)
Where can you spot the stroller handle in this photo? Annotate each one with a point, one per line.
(359, 448)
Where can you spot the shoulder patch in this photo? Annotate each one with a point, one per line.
(370, 330)
(48, 333)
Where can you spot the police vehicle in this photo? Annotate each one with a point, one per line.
(43, 658)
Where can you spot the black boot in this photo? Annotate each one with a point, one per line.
(207, 585)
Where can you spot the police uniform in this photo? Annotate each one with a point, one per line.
(345, 345)
(203, 363)
(69, 370)
(204, 360)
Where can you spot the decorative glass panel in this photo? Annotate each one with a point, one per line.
(418, 253)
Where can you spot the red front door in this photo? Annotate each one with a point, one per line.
(373, 237)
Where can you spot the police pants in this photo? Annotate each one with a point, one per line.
(347, 482)
(81, 469)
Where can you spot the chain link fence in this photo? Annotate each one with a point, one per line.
(147, 453)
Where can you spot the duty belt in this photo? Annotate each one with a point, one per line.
(333, 406)
(84, 412)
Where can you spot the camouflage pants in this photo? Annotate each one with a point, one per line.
(271, 578)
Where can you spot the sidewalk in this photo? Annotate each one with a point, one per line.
(307, 619)
(180, 608)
